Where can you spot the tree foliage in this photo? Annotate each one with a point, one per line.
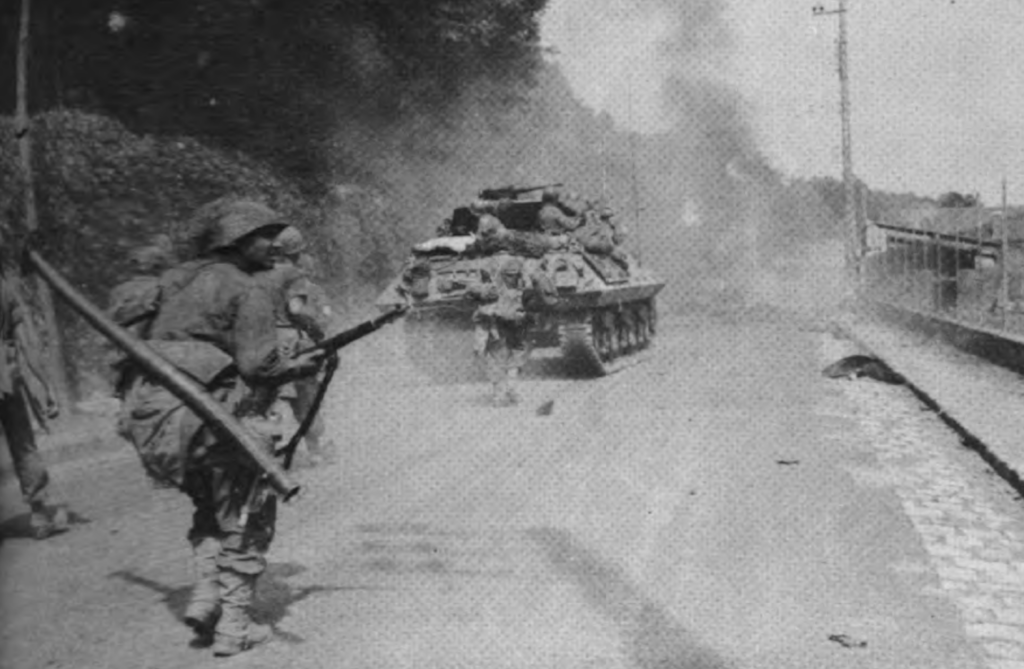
(270, 77)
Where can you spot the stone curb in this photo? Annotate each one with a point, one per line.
(995, 444)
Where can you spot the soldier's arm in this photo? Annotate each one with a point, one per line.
(27, 342)
(256, 351)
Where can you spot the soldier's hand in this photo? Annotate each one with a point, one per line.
(52, 409)
(309, 362)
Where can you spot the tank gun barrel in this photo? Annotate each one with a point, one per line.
(511, 192)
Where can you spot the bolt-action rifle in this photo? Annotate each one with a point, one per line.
(331, 345)
(511, 192)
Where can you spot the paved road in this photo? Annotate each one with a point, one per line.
(720, 505)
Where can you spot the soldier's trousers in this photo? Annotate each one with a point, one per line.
(234, 509)
(502, 346)
(28, 463)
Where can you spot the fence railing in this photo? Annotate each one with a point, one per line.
(969, 272)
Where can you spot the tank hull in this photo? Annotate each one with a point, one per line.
(603, 317)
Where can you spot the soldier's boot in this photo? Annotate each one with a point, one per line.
(39, 523)
(204, 607)
(236, 632)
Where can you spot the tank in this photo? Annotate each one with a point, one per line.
(605, 313)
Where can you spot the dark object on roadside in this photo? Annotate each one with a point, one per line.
(546, 409)
(787, 462)
(846, 641)
(856, 366)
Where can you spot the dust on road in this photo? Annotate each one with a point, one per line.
(646, 521)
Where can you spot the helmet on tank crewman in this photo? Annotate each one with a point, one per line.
(290, 242)
(240, 219)
(150, 259)
(512, 267)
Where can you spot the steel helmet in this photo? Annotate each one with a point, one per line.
(240, 219)
(290, 241)
(550, 194)
(150, 259)
(512, 267)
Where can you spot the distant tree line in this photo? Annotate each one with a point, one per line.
(269, 77)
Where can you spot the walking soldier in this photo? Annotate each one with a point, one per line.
(218, 325)
(24, 387)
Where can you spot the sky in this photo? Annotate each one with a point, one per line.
(936, 86)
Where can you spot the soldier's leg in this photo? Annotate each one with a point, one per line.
(205, 536)
(515, 340)
(486, 348)
(498, 356)
(28, 463)
(246, 515)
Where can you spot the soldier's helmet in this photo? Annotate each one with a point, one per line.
(478, 207)
(607, 213)
(150, 259)
(290, 242)
(512, 267)
(550, 194)
(240, 219)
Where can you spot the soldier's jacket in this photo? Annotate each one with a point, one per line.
(219, 326)
(553, 219)
(19, 358)
(595, 235)
(511, 300)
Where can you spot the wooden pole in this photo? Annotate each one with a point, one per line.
(23, 125)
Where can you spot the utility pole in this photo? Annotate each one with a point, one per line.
(23, 126)
(852, 223)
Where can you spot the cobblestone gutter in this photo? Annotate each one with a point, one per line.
(974, 541)
(983, 402)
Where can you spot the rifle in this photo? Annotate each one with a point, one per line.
(331, 345)
(511, 192)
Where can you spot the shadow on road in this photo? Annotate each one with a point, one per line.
(274, 595)
(653, 639)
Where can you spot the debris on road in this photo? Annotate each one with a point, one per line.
(546, 409)
(846, 641)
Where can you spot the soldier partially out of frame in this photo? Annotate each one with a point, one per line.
(25, 391)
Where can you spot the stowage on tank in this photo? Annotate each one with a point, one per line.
(604, 312)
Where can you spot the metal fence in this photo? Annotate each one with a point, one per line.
(962, 266)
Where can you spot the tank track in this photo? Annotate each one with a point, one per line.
(610, 340)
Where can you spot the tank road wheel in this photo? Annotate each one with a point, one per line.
(610, 332)
(641, 319)
(627, 330)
